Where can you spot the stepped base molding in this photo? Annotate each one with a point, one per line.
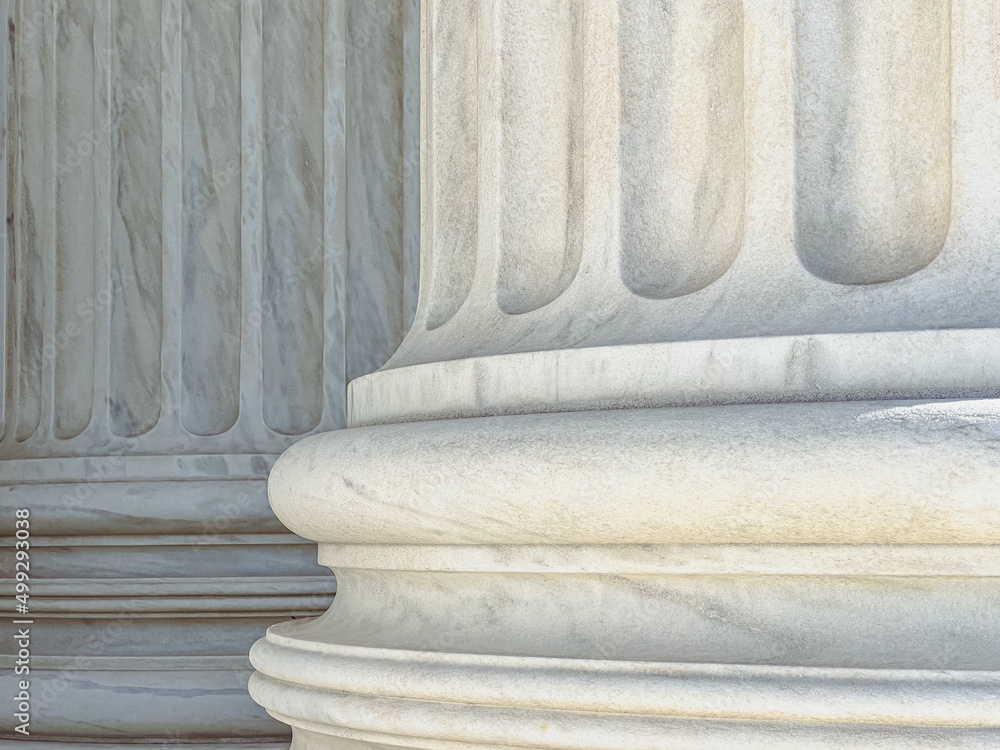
(778, 575)
(152, 576)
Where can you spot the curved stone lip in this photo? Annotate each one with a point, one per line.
(898, 473)
(689, 690)
(440, 725)
(884, 365)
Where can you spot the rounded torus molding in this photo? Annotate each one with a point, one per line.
(826, 473)
(780, 575)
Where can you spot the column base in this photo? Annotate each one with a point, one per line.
(151, 578)
(688, 735)
(798, 576)
(724, 647)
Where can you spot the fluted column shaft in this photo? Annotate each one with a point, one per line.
(821, 177)
(188, 282)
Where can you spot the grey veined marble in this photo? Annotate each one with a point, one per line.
(693, 441)
(187, 279)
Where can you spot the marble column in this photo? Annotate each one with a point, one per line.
(694, 440)
(209, 231)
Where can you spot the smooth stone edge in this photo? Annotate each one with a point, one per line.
(753, 370)
(432, 725)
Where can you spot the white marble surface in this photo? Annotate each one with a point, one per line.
(692, 443)
(774, 575)
(211, 153)
(959, 363)
(873, 85)
(825, 473)
(844, 181)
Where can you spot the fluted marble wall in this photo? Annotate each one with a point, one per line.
(210, 229)
(179, 239)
